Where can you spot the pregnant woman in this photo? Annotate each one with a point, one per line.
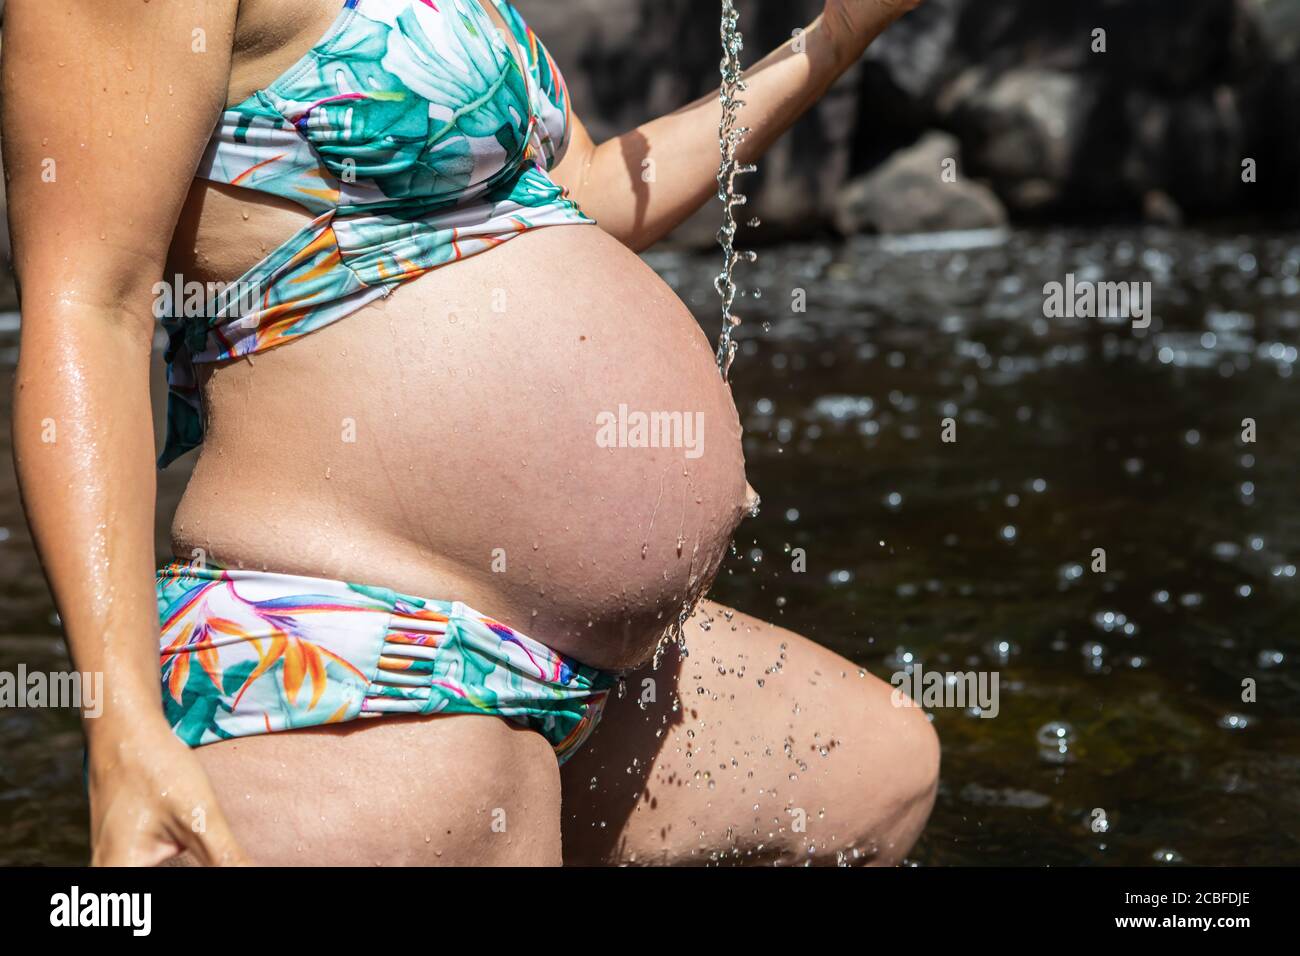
(411, 576)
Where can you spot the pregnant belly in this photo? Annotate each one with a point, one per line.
(538, 431)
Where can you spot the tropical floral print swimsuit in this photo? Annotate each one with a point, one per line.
(411, 134)
(414, 137)
(249, 652)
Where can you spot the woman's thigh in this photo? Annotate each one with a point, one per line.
(761, 746)
(392, 791)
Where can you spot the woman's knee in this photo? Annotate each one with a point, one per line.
(769, 748)
(866, 759)
(890, 773)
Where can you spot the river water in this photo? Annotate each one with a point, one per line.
(1121, 734)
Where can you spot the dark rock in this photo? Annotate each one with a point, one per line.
(1023, 130)
(1160, 210)
(1184, 92)
(909, 193)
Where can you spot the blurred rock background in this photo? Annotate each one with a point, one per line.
(1042, 128)
(1039, 125)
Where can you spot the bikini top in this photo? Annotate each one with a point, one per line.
(411, 134)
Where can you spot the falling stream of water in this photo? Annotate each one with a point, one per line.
(730, 137)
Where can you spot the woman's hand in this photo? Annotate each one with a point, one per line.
(150, 801)
(855, 23)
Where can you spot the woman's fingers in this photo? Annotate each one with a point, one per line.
(215, 847)
(162, 834)
(138, 847)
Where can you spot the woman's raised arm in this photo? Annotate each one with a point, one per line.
(606, 179)
(107, 105)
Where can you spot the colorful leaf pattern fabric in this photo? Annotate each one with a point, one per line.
(251, 652)
(413, 137)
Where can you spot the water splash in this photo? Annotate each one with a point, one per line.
(730, 137)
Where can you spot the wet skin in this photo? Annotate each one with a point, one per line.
(443, 443)
(438, 447)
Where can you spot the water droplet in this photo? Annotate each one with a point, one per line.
(1234, 721)
(1054, 740)
(1270, 658)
